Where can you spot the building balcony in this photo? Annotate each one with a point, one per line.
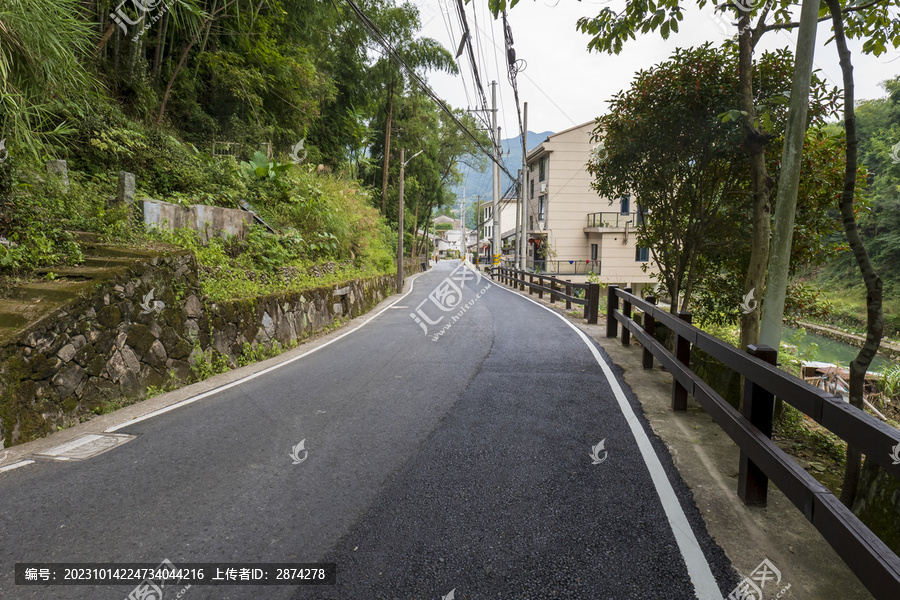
(600, 222)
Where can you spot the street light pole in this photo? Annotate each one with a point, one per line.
(400, 218)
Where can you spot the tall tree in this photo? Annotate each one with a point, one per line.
(400, 25)
(666, 143)
(874, 316)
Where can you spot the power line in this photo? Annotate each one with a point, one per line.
(381, 39)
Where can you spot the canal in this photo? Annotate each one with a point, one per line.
(831, 351)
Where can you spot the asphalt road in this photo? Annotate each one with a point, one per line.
(455, 466)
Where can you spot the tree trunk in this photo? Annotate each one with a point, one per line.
(387, 148)
(110, 29)
(207, 23)
(789, 178)
(160, 44)
(761, 183)
(874, 315)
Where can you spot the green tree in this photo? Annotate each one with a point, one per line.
(665, 141)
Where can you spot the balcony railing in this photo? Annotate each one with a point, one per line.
(563, 267)
(610, 219)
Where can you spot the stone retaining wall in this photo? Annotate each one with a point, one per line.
(148, 327)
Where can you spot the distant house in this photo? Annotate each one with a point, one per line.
(571, 229)
(443, 220)
(507, 210)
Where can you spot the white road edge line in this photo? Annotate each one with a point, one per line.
(252, 376)
(705, 585)
(15, 465)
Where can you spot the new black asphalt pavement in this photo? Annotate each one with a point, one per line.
(459, 465)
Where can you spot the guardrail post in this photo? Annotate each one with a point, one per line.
(521, 275)
(649, 325)
(682, 355)
(612, 305)
(593, 305)
(568, 293)
(626, 311)
(759, 407)
(530, 289)
(552, 291)
(540, 291)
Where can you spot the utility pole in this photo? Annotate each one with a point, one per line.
(523, 217)
(462, 223)
(519, 197)
(479, 221)
(786, 198)
(400, 225)
(495, 259)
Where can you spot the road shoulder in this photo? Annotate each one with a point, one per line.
(707, 460)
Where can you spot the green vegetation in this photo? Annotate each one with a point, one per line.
(280, 103)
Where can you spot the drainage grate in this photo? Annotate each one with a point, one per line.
(86, 446)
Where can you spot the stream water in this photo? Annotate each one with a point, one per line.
(830, 350)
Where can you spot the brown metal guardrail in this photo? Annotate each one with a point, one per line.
(559, 289)
(876, 565)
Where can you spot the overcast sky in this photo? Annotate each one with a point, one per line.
(565, 85)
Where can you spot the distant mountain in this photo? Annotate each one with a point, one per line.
(479, 183)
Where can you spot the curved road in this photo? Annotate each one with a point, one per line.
(439, 465)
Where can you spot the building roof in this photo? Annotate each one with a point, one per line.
(539, 149)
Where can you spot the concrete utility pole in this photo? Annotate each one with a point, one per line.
(400, 225)
(495, 259)
(523, 217)
(479, 222)
(789, 181)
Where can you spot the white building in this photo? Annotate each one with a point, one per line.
(571, 229)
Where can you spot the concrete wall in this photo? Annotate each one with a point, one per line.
(206, 220)
(110, 344)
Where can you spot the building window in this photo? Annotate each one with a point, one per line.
(532, 189)
(595, 251)
(639, 219)
(626, 205)
(531, 222)
(541, 215)
(543, 169)
(641, 254)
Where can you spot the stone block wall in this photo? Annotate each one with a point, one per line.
(144, 328)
